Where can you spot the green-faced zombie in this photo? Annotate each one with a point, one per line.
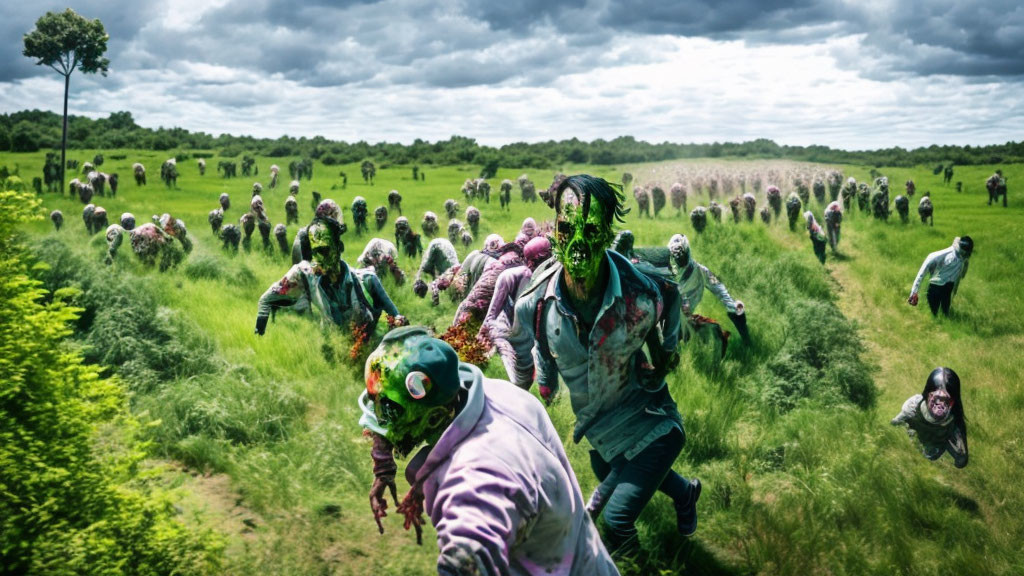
(582, 234)
(326, 245)
(412, 380)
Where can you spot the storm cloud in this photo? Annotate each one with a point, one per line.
(533, 70)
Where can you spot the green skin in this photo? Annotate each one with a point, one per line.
(326, 251)
(580, 243)
(413, 423)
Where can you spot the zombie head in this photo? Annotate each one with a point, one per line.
(942, 395)
(624, 242)
(328, 209)
(57, 217)
(225, 201)
(586, 209)
(325, 243)
(127, 221)
(493, 242)
(419, 288)
(467, 238)
(537, 251)
(679, 250)
(529, 227)
(963, 245)
(257, 188)
(256, 205)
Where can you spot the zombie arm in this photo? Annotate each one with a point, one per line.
(715, 286)
(502, 289)
(522, 340)
(480, 514)
(963, 272)
(908, 412)
(283, 293)
(927, 268)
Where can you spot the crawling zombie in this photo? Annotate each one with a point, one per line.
(749, 206)
(439, 256)
(624, 243)
(57, 217)
(946, 269)
(380, 217)
(451, 208)
(492, 474)
(585, 319)
(793, 206)
(902, 204)
(505, 194)
(643, 202)
(395, 201)
(342, 297)
(457, 281)
(381, 256)
(849, 193)
(936, 417)
(291, 210)
(406, 238)
(473, 308)
(775, 200)
(996, 186)
(473, 219)
(925, 210)
(880, 199)
(699, 219)
(429, 224)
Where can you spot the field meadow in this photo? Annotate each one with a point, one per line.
(790, 433)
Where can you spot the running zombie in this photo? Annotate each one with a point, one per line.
(585, 319)
(492, 474)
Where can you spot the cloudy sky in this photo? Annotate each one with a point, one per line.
(847, 74)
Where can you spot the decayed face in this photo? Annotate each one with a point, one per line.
(326, 250)
(408, 423)
(580, 240)
(939, 403)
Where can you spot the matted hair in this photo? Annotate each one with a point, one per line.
(609, 196)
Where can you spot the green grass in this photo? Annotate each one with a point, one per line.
(790, 436)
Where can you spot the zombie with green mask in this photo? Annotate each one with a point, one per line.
(328, 283)
(492, 473)
(587, 317)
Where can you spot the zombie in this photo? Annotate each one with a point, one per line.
(936, 417)
(429, 224)
(835, 183)
(281, 235)
(902, 208)
(395, 201)
(863, 197)
(381, 255)
(473, 308)
(925, 210)
(716, 211)
(467, 239)
(291, 211)
(406, 238)
(996, 186)
(454, 230)
(734, 205)
(509, 285)
(505, 194)
(248, 223)
(257, 189)
(775, 200)
(699, 219)
(623, 244)
(99, 220)
(439, 256)
(585, 318)
(678, 194)
(459, 280)
(477, 475)
(359, 213)
(175, 228)
(766, 215)
(946, 268)
(528, 230)
(154, 246)
(87, 213)
(473, 219)
(657, 199)
(880, 199)
(225, 201)
(749, 206)
(451, 208)
(911, 188)
(57, 217)
(230, 235)
(127, 221)
(849, 192)
(818, 238)
(693, 278)
(833, 222)
(115, 237)
(819, 190)
(643, 202)
(301, 249)
(380, 216)
(947, 174)
(341, 297)
(802, 191)
(793, 206)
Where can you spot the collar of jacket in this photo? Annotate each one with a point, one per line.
(430, 457)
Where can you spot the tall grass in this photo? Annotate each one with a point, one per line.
(789, 433)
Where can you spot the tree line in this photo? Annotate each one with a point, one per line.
(33, 130)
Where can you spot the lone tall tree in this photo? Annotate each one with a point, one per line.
(66, 41)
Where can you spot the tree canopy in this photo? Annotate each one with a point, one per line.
(66, 41)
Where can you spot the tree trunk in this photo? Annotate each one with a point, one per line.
(64, 135)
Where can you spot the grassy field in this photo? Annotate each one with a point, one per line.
(790, 434)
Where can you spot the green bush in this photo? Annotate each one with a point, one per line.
(70, 503)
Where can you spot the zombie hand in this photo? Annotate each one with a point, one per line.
(913, 299)
(384, 469)
(412, 508)
(261, 325)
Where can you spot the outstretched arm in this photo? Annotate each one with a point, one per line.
(283, 293)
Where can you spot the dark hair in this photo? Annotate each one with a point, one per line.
(947, 379)
(967, 244)
(609, 196)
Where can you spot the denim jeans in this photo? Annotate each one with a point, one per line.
(628, 485)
